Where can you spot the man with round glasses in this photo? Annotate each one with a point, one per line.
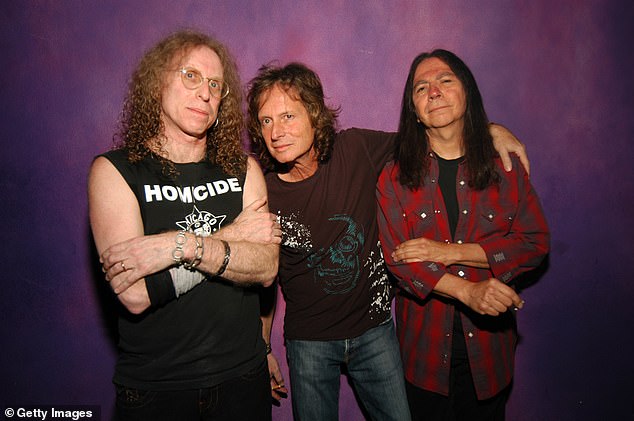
(191, 343)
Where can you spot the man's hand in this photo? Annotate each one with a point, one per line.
(278, 390)
(129, 261)
(253, 224)
(506, 143)
(490, 297)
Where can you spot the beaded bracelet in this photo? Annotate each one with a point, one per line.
(268, 348)
(198, 254)
(225, 262)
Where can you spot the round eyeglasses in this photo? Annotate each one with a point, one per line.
(192, 79)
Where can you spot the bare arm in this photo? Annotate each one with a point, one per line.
(249, 262)
(506, 143)
(115, 217)
(253, 258)
(268, 298)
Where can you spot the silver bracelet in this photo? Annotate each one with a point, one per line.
(178, 253)
(198, 254)
(225, 262)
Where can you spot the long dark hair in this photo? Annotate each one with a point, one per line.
(411, 149)
(303, 84)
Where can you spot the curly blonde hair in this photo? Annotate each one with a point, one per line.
(141, 130)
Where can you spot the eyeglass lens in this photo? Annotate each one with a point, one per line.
(192, 79)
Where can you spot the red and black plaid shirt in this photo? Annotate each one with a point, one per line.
(508, 222)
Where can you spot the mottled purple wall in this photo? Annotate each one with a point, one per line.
(558, 73)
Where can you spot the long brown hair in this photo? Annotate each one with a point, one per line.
(303, 83)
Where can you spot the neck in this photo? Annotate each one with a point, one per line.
(446, 142)
(183, 151)
(300, 171)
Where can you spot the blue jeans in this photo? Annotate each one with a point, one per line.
(373, 364)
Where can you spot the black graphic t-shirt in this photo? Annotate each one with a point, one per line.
(331, 268)
(213, 332)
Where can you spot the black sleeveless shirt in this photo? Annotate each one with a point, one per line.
(212, 333)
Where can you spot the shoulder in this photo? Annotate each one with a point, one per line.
(106, 180)
(145, 168)
(389, 173)
(376, 145)
(364, 134)
(109, 161)
(253, 168)
(117, 158)
(390, 167)
(254, 177)
(253, 164)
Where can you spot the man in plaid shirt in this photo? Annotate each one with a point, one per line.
(455, 229)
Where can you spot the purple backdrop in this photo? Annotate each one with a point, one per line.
(555, 72)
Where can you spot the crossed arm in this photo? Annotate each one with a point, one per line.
(491, 297)
(128, 256)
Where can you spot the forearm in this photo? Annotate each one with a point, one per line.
(267, 324)
(468, 254)
(242, 262)
(488, 297)
(253, 263)
(135, 299)
(451, 286)
(267, 311)
(419, 278)
(230, 233)
(268, 298)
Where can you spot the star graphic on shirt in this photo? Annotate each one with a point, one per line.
(201, 222)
